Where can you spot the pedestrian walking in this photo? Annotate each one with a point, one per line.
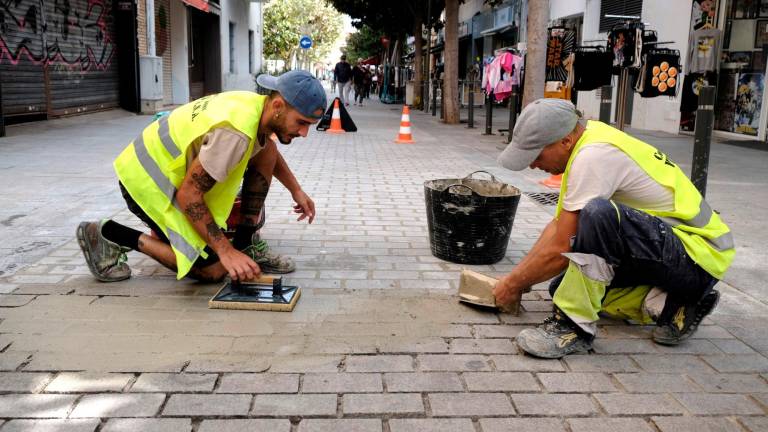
(342, 74)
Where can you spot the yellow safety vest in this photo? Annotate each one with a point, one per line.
(705, 237)
(153, 166)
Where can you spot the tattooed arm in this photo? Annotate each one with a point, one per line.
(190, 198)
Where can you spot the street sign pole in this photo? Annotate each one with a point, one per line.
(305, 43)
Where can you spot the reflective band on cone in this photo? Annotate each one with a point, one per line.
(336, 119)
(404, 136)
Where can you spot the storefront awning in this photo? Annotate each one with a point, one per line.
(493, 31)
(198, 4)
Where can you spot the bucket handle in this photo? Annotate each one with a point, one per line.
(493, 179)
(471, 191)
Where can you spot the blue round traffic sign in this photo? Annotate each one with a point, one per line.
(305, 42)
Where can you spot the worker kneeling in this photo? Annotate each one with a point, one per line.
(631, 238)
(181, 177)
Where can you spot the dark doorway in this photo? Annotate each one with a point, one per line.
(127, 54)
(203, 45)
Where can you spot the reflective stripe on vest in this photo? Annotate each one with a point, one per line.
(706, 238)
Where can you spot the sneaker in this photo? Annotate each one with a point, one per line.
(268, 261)
(106, 260)
(554, 338)
(686, 321)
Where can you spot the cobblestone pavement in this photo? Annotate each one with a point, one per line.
(378, 341)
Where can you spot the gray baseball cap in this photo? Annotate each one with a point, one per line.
(542, 122)
(300, 89)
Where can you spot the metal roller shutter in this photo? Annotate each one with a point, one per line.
(618, 7)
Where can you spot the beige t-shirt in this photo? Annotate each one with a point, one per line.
(220, 150)
(602, 170)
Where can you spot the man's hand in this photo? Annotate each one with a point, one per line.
(239, 265)
(304, 207)
(505, 294)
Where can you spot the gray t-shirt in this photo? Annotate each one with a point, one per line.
(220, 150)
(704, 45)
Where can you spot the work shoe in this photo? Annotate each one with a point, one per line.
(268, 261)
(554, 338)
(686, 321)
(106, 260)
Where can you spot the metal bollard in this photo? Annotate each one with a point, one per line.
(434, 98)
(705, 117)
(488, 115)
(512, 113)
(471, 107)
(606, 92)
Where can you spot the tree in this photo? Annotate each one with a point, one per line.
(451, 83)
(285, 21)
(364, 43)
(536, 58)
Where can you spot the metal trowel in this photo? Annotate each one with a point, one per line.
(477, 289)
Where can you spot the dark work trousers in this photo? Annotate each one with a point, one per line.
(643, 250)
(134, 207)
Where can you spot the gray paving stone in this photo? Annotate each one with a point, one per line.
(246, 425)
(431, 425)
(638, 404)
(258, 383)
(553, 404)
(148, 425)
(733, 346)
(526, 363)
(35, 406)
(483, 346)
(295, 405)
(470, 404)
(576, 382)
(342, 383)
(451, 363)
(340, 425)
(225, 364)
(501, 381)
(118, 405)
(753, 424)
(498, 331)
(730, 383)
(696, 424)
(11, 360)
(656, 383)
(51, 425)
(207, 405)
(600, 363)
(21, 382)
(174, 383)
(385, 403)
(422, 382)
(738, 363)
(380, 363)
(723, 404)
(609, 425)
(306, 363)
(82, 382)
(521, 425)
(624, 346)
(666, 363)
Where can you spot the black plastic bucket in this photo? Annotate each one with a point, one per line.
(470, 219)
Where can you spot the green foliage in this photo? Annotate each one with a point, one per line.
(363, 44)
(390, 17)
(286, 20)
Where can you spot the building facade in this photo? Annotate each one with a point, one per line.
(59, 59)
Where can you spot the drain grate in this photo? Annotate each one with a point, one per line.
(544, 198)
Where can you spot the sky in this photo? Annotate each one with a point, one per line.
(335, 53)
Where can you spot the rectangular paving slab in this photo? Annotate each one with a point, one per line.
(472, 404)
(399, 403)
(294, 405)
(207, 405)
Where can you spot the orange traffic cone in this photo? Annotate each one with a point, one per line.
(553, 182)
(336, 119)
(404, 137)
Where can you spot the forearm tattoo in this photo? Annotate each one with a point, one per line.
(214, 232)
(196, 211)
(255, 190)
(203, 181)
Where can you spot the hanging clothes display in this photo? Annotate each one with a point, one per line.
(626, 43)
(705, 44)
(659, 73)
(561, 43)
(591, 68)
(692, 83)
(501, 74)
